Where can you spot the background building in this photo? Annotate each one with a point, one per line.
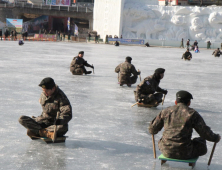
(189, 2)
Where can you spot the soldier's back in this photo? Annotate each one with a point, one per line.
(178, 128)
(125, 68)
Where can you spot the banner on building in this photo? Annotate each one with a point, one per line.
(126, 41)
(76, 30)
(58, 2)
(14, 24)
(36, 25)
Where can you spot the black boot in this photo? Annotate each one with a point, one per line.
(88, 72)
(32, 135)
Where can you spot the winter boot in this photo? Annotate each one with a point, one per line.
(32, 135)
(88, 72)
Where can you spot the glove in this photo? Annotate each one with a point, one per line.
(140, 100)
(138, 72)
(164, 92)
(92, 67)
(218, 139)
(57, 122)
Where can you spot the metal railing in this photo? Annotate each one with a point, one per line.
(49, 7)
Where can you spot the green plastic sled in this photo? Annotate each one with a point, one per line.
(191, 162)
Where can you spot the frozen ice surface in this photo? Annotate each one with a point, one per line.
(105, 132)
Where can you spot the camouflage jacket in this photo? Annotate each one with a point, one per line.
(78, 62)
(58, 102)
(216, 53)
(178, 122)
(126, 69)
(148, 86)
(187, 54)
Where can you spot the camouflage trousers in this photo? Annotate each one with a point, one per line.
(34, 126)
(149, 98)
(199, 148)
(124, 79)
(78, 71)
(217, 55)
(186, 58)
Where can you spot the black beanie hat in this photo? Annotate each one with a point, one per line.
(81, 52)
(128, 58)
(183, 96)
(159, 70)
(47, 83)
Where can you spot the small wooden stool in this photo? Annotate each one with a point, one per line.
(58, 139)
(146, 105)
(49, 140)
(191, 162)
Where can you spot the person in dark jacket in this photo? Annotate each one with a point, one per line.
(187, 55)
(178, 122)
(6, 34)
(147, 44)
(145, 91)
(1, 34)
(21, 42)
(217, 53)
(116, 43)
(78, 64)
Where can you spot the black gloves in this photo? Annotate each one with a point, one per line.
(218, 138)
(140, 100)
(164, 92)
(57, 122)
(92, 67)
(138, 72)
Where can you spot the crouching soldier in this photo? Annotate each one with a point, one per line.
(78, 64)
(178, 122)
(145, 91)
(53, 101)
(187, 55)
(217, 53)
(125, 70)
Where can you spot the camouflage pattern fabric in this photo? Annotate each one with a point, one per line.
(187, 56)
(216, 53)
(77, 66)
(125, 70)
(178, 122)
(58, 102)
(146, 89)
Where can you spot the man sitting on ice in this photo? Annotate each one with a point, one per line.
(178, 122)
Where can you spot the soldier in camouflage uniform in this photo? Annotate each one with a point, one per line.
(53, 101)
(145, 91)
(78, 63)
(125, 70)
(187, 55)
(178, 122)
(217, 53)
